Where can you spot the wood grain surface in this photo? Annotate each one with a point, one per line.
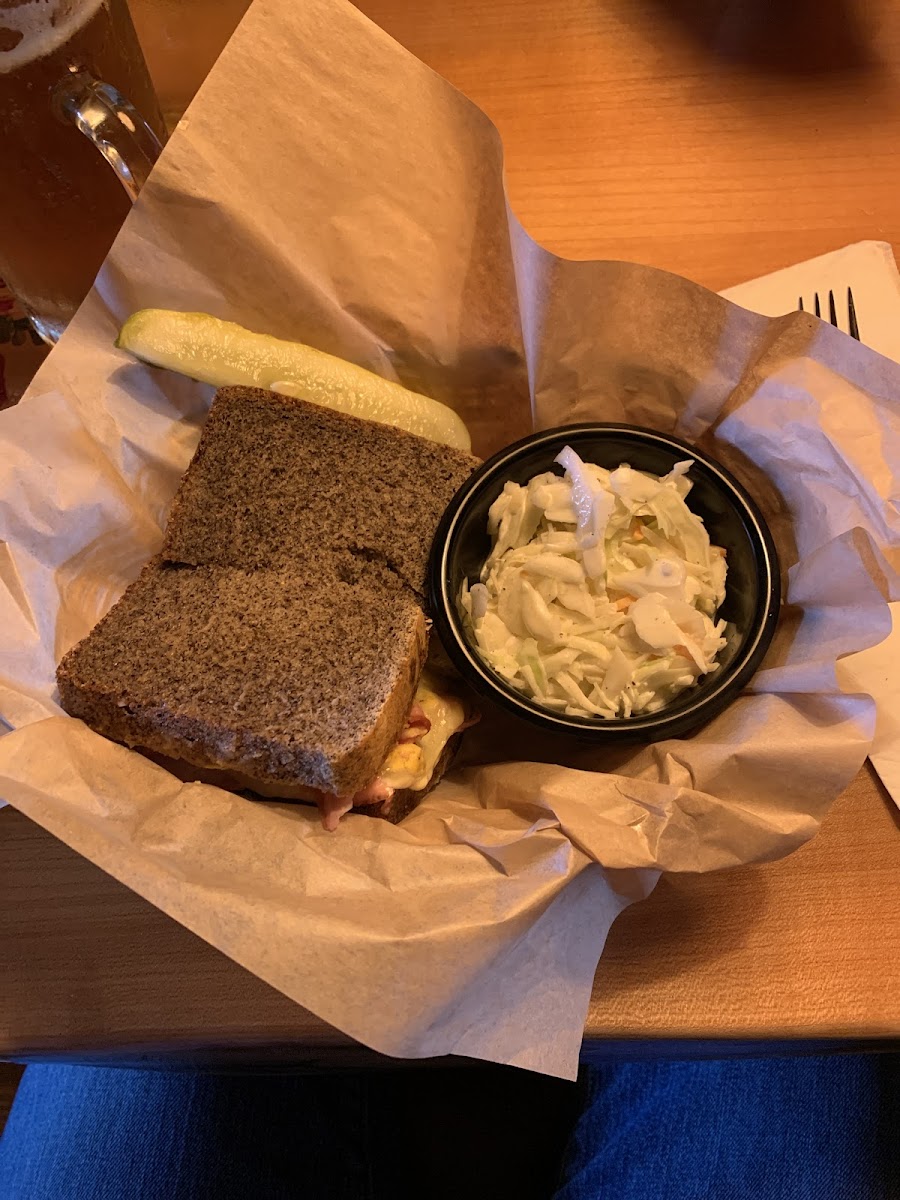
(696, 136)
(640, 130)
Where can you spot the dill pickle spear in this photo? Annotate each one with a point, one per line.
(225, 354)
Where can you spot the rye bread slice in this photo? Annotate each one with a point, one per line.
(275, 478)
(280, 634)
(283, 674)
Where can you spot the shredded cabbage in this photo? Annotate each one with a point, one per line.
(600, 593)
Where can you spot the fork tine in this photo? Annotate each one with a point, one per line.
(800, 305)
(818, 310)
(851, 310)
(832, 312)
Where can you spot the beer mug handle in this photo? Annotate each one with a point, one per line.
(112, 123)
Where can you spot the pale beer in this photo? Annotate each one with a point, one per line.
(60, 202)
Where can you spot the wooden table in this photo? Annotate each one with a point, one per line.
(626, 137)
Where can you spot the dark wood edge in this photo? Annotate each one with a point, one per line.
(277, 1059)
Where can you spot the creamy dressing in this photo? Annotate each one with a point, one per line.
(600, 593)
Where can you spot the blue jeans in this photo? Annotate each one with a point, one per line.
(767, 1129)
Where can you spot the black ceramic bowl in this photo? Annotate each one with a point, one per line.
(752, 591)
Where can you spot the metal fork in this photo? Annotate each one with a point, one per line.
(853, 329)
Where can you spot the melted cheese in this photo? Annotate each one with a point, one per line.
(411, 764)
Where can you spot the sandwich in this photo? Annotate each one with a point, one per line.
(278, 642)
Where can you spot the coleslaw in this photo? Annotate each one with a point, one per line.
(600, 593)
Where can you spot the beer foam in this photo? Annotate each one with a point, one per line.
(45, 25)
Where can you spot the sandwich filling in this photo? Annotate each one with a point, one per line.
(434, 717)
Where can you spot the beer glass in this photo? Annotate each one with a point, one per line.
(68, 68)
